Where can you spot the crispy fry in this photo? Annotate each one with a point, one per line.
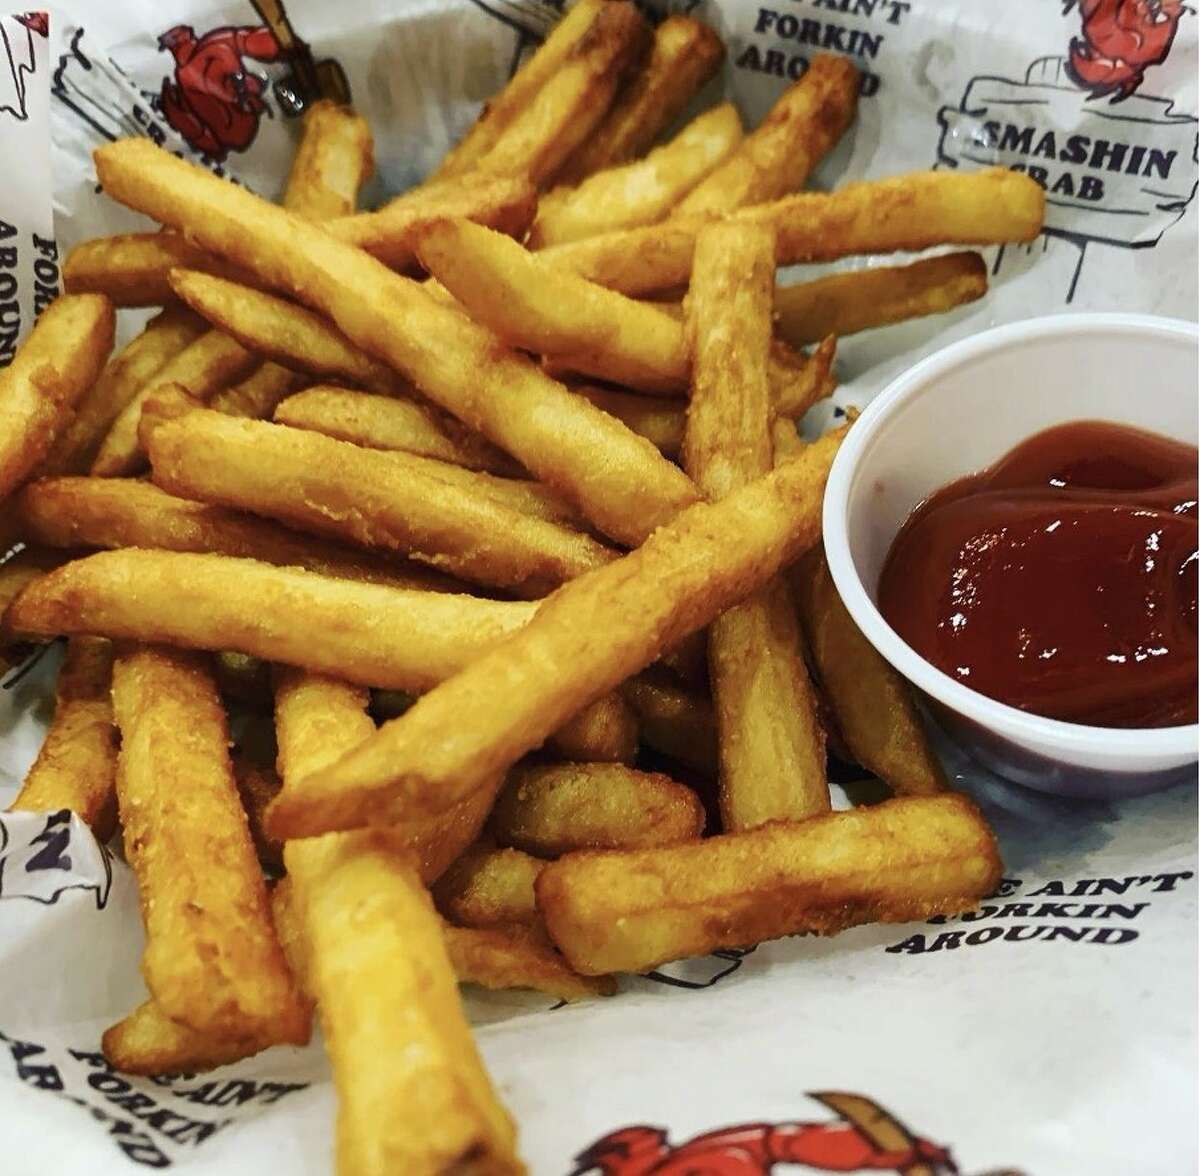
(549, 810)
(258, 395)
(148, 1042)
(203, 367)
(77, 765)
(332, 162)
(685, 54)
(258, 786)
(211, 959)
(627, 911)
(502, 108)
(19, 569)
(811, 376)
(842, 304)
(618, 480)
(909, 212)
(606, 731)
(771, 747)
(873, 704)
(586, 639)
(413, 1094)
(642, 192)
(659, 419)
(490, 888)
(383, 500)
(517, 957)
(389, 637)
(123, 512)
(780, 154)
(164, 336)
(676, 722)
(52, 370)
(391, 422)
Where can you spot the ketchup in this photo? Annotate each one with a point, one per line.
(1062, 580)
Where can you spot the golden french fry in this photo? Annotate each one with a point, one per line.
(150, 1043)
(258, 395)
(374, 499)
(164, 336)
(289, 930)
(659, 419)
(52, 370)
(770, 745)
(124, 512)
(517, 957)
(618, 480)
(872, 703)
(77, 765)
(908, 212)
(606, 731)
(780, 154)
(333, 161)
(413, 1094)
(905, 859)
(211, 959)
(502, 108)
(16, 571)
(490, 888)
(391, 422)
(799, 381)
(587, 638)
(212, 362)
(258, 786)
(390, 637)
(842, 304)
(676, 722)
(642, 192)
(684, 55)
(549, 810)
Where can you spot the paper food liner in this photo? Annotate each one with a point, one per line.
(1051, 1032)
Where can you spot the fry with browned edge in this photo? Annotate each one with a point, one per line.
(258, 394)
(903, 860)
(490, 888)
(676, 722)
(333, 160)
(771, 746)
(258, 786)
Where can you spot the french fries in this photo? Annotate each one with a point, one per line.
(684, 55)
(659, 419)
(549, 810)
(390, 637)
(676, 722)
(506, 703)
(211, 961)
(77, 765)
(642, 192)
(617, 480)
(771, 747)
(52, 370)
(490, 888)
(606, 731)
(909, 212)
(259, 393)
(905, 859)
(365, 497)
(16, 571)
(257, 786)
(844, 304)
(781, 153)
(332, 162)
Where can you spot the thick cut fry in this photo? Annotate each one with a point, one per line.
(780, 154)
(908, 212)
(211, 959)
(617, 479)
(258, 786)
(212, 362)
(258, 395)
(500, 110)
(771, 748)
(18, 570)
(77, 766)
(413, 1095)
(388, 637)
(382, 500)
(124, 512)
(148, 1042)
(333, 161)
(585, 639)
(549, 810)
(799, 381)
(872, 703)
(50, 373)
(133, 269)
(674, 721)
(639, 193)
(391, 422)
(605, 731)
(898, 861)
(659, 419)
(685, 54)
(288, 333)
(125, 374)
(490, 888)
(517, 957)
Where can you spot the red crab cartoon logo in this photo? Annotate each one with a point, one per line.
(1121, 40)
(865, 1138)
(36, 22)
(213, 100)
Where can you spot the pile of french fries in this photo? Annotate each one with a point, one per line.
(511, 463)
